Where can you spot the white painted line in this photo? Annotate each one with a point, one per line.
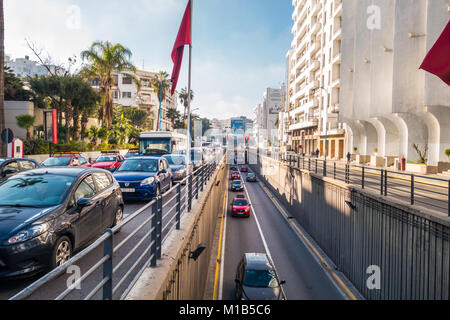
(266, 247)
(293, 224)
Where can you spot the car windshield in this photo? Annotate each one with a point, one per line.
(57, 162)
(131, 154)
(240, 202)
(106, 159)
(175, 160)
(35, 190)
(251, 175)
(138, 165)
(260, 279)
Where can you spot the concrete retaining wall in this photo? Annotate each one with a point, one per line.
(177, 277)
(358, 229)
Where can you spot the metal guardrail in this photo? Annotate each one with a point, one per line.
(417, 189)
(179, 204)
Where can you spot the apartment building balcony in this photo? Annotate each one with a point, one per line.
(337, 11)
(309, 123)
(337, 32)
(313, 47)
(314, 29)
(336, 59)
(336, 83)
(315, 7)
(314, 65)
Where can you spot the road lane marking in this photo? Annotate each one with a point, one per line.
(221, 249)
(266, 247)
(337, 280)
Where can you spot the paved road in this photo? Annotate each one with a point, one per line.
(9, 288)
(268, 232)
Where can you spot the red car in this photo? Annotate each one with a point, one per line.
(244, 169)
(235, 175)
(108, 161)
(240, 207)
(66, 160)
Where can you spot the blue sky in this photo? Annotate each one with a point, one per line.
(239, 46)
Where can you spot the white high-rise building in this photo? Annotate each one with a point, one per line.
(387, 102)
(314, 78)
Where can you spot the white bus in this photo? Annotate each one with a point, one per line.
(158, 143)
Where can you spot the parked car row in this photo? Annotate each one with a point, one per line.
(50, 210)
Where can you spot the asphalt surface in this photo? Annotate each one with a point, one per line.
(9, 288)
(267, 232)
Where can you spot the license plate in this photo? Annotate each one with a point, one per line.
(128, 190)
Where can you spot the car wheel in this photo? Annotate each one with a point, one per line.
(118, 218)
(62, 252)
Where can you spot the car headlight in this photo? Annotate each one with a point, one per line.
(28, 234)
(148, 181)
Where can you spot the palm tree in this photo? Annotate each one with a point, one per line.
(106, 59)
(185, 99)
(161, 84)
(26, 122)
(2, 81)
(173, 115)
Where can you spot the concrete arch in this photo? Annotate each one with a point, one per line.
(417, 133)
(435, 130)
(356, 136)
(371, 136)
(390, 145)
(441, 119)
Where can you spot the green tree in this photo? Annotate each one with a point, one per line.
(105, 60)
(184, 100)
(138, 117)
(14, 87)
(161, 85)
(26, 122)
(173, 115)
(120, 130)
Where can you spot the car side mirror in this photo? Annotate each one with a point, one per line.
(83, 203)
(113, 169)
(282, 282)
(163, 171)
(238, 281)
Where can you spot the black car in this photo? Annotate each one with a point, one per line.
(10, 167)
(256, 279)
(237, 185)
(47, 214)
(234, 168)
(251, 177)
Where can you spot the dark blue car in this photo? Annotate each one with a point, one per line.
(143, 178)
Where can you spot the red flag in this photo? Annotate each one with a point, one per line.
(437, 60)
(183, 38)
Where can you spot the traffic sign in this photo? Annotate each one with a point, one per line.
(7, 136)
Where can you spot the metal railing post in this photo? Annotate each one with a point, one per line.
(385, 182)
(309, 164)
(325, 168)
(108, 266)
(334, 174)
(178, 207)
(159, 227)
(316, 167)
(412, 189)
(190, 193)
(449, 198)
(154, 226)
(382, 182)
(363, 176)
(203, 177)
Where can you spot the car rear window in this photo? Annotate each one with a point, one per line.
(240, 202)
(57, 162)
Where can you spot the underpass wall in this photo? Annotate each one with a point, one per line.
(177, 276)
(361, 231)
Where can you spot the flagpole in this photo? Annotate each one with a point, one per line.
(188, 147)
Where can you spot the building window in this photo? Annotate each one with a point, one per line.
(116, 95)
(126, 95)
(126, 80)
